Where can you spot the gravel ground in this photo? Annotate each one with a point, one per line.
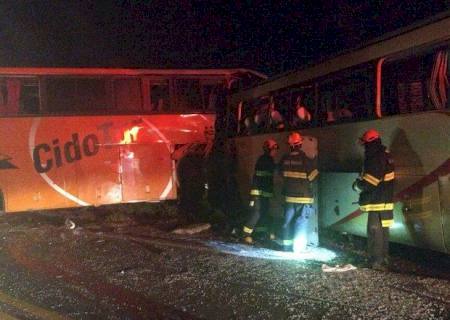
(124, 267)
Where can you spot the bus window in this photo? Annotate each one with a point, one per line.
(415, 84)
(75, 95)
(209, 97)
(188, 95)
(127, 94)
(9, 95)
(3, 93)
(211, 90)
(347, 96)
(29, 101)
(301, 107)
(159, 96)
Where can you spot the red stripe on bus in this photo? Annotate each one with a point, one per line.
(442, 170)
(416, 187)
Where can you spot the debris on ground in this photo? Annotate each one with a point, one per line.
(192, 229)
(338, 268)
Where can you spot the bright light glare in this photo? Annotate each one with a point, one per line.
(397, 225)
(188, 115)
(129, 155)
(300, 243)
(312, 253)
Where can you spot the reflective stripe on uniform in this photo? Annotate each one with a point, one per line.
(371, 179)
(247, 230)
(288, 242)
(389, 176)
(387, 223)
(377, 207)
(313, 175)
(263, 173)
(299, 200)
(294, 174)
(256, 192)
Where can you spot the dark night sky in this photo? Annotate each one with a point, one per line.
(266, 36)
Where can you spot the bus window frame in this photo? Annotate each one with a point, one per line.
(108, 95)
(19, 111)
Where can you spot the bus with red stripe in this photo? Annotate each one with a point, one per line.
(398, 85)
(91, 136)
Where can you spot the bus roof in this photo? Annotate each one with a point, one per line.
(126, 71)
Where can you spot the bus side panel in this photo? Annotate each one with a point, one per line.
(414, 222)
(21, 183)
(420, 147)
(57, 162)
(146, 172)
(98, 181)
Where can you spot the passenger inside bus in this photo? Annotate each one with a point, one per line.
(159, 96)
(343, 112)
(276, 119)
(262, 114)
(302, 117)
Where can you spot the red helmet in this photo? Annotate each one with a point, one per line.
(269, 145)
(369, 136)
(295, 139)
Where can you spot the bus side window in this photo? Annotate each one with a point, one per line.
(10, 94)
(209, 95)
(29, 97)
(127, 94)
(159, 97)
(73, 95)
(188, 95)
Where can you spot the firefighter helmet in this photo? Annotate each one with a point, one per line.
(295, 139)
(269, 145)
(369, 136)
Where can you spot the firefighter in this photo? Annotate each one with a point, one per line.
(298, 173)
(261, 192)
(376, 187)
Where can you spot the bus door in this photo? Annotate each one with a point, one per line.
(146, 172)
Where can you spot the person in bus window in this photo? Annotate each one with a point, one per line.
(159, 98)
(262, 116)
(212, 98)
(276, 120)
(376, 187)
(302, 117)
(331, 117)
(343, 113)
(250, 127)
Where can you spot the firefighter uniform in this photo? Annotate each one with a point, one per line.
(260, 194)
(298, 172)
(376, 184)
